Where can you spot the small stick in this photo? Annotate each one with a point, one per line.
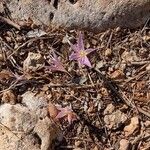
(145, 25)
(9, 22)
(71, 86)
(140, 62)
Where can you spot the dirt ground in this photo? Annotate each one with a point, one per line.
(111, 99)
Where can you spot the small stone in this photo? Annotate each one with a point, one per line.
(129, 56)
(147, 123)
(108, 52)
(94, 42)
(132, 127)
(53, 111)
(36, 33)
(115, 120)
(33, 62)
(124, 144)
(109, 109)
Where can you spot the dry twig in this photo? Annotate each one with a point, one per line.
(9, 22)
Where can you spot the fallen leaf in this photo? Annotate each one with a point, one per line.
(4, 74)
(9, 97)
(117, 74)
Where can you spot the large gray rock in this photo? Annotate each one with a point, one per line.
(98, 15)
(95, 15)
(23, 127)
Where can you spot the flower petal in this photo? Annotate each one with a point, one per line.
(60, 115)
(80, 42)
(70, 118)
(81, 61)
(73, 56)
(87, 62)
(89, 50)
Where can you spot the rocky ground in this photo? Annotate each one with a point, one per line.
(109, 101)
(48, 101)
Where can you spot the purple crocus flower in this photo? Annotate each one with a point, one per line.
(80, 53)
(66, 113)
(55, 64)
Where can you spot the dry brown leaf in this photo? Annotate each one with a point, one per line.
(117, 74)
(53, 111)
(141, 93)
(9, 97)
(4, 74)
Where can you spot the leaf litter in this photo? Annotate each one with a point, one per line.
(115, 73)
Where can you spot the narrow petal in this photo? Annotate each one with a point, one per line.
(89, 50)
(87, 62)
(81, 61)
(60, 115)
(80, 42)
(70, 118)
(54, 56)
(73, 56)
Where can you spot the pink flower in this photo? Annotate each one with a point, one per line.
(80, 53)
(55, 64)
(66, 113)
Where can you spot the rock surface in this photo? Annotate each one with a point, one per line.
(124, 144)
(22, 128)
(33, 62)
(115, 119)
(132, 127)
(95, 15)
